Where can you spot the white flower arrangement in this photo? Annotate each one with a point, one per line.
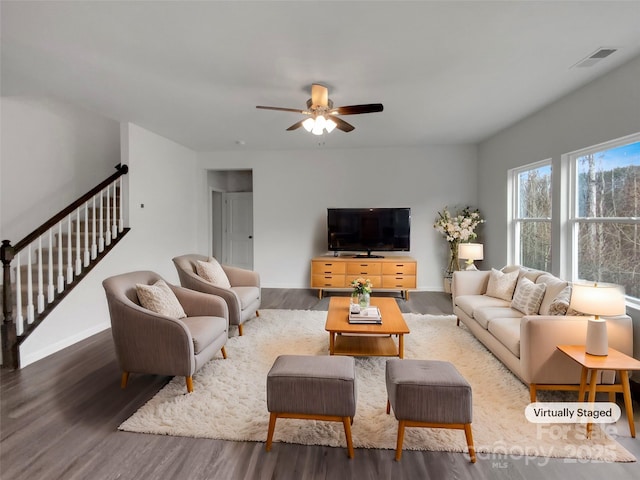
(459, 227)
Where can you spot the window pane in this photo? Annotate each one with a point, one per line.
(610, 252)
(609, 183)
(535, 245)
(534, 197)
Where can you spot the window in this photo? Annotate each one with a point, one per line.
(605, 214)
(531, 215)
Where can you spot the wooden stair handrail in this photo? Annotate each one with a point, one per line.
(122, 170)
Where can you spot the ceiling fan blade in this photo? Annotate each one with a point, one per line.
(356, 109)
(295, 110)
(295, 126)
(319, 95)
(341, 124)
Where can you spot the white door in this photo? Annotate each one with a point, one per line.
(238, 239)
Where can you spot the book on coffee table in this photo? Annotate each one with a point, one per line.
(366, 315)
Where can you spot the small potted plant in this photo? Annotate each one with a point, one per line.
(362, 290)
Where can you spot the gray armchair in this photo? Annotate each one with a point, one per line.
(244, 296)
(147, 342)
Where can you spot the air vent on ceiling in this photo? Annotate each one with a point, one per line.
(595, 57)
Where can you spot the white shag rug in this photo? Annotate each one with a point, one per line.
(229, 398)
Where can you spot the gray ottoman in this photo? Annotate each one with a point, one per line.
(428, 393)
(312, 387)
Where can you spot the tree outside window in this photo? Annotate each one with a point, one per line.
(607, 216)
(532, 219)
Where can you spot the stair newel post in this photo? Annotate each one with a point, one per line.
(9, 338)
(121, 216)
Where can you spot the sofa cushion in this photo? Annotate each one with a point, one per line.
(528, 296)
(205, 330)
(469, 303)
(159, 298)
(554, 287)
(501, 285)
(246, 295)
(507, 332)
(485, 315)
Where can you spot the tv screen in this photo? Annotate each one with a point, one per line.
(368, 229)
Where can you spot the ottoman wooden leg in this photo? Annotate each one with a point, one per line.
(347, 433)
(400, 439)
(469, 435)
(272, 426)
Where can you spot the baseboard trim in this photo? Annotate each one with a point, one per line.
(32, 357)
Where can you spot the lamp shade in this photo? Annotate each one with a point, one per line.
(598, 299)
(471, 251)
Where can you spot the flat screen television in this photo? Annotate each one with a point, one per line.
(368, 230)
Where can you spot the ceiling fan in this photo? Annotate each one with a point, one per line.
(322, 115)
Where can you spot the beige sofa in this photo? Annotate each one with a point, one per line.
(526, 344)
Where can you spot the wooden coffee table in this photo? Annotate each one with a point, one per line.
(366, 340)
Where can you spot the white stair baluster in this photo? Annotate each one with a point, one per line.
(69, 252)
(60, 262)
(40, 279)
(101, 226)
(19, 318)
(30, 312)
(94, 247)
(78, 246)
(121, 216)
(51, 291)
(114, 227)
(107, 223)
(87, 254)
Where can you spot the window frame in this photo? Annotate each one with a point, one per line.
(513, 204)
(573, 221)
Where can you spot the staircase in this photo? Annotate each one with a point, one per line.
(41, 269)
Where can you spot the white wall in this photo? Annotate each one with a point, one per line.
(51, 154)
(163, 177)
(293, 189)
(603, 110)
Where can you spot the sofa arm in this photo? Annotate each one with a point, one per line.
(469, 282)
(543, 363)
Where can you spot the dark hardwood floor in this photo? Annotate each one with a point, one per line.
(59, 420)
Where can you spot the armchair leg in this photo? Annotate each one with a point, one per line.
(257, 313)
(124, 380)
(240, 329)
(224, 353)
(189, 384)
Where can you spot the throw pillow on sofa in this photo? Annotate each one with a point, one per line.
(528, 296)
(159, 298)
(560, 304)
(501, 285)
(212, 272)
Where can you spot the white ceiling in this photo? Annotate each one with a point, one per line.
(446, 72)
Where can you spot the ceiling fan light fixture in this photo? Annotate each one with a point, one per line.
(330, 125)
(308, 124)
(318, 128)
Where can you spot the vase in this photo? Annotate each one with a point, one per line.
(364, 299)
(454, 262)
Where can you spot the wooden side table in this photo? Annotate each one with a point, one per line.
(615, 360)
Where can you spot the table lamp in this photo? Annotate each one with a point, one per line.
(471, 252)
(597, 299)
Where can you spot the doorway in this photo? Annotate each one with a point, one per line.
(231, 207)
